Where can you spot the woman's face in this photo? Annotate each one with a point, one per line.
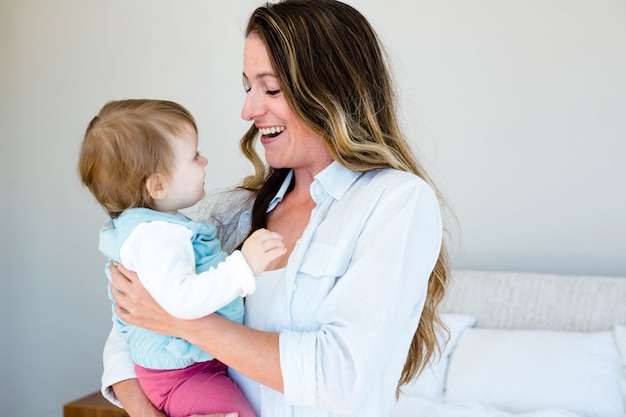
(287, 141)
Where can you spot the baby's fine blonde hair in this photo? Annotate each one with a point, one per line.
(128, 141)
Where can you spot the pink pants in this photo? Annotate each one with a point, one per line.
(202, 388)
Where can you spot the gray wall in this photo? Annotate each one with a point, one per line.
(518, 109)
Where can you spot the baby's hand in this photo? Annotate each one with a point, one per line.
(261, 248)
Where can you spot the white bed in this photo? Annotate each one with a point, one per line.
(527, 345)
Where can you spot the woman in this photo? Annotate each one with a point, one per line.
(328, 330)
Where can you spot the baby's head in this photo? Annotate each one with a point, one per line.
(125, 144)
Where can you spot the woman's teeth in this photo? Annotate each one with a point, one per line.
(271, 131)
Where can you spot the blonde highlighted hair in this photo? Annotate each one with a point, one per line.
(332, 70)
(128, 141)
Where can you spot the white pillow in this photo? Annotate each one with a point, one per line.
(528, 370)
(429, 384)
(620, 341)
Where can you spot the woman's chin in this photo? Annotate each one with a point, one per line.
(274, 160)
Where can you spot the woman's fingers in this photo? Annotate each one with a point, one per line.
(125, 272)
(120, 276)
(135, 305)
(118, 279)
(126, 290)
(119, 285)
(122, 313)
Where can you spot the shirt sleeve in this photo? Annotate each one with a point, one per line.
(369, 316)
(162, 255)
(230, 213)
(118, 366)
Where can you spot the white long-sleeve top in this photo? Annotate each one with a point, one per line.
(182, 266)
(350, 298)
(162, 255)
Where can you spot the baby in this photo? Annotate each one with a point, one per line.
(140, 160)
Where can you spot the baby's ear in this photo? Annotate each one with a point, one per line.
(156, 186)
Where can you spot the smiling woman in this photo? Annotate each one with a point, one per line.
(516, 109)
(361, 225)
(287, 140)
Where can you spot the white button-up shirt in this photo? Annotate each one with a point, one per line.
(351, 295)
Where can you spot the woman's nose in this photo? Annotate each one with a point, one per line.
(203, 160)
(252, 107)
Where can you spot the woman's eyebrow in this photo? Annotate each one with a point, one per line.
(259, 76)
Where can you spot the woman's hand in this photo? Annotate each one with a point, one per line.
(234, 344)
(136, 306)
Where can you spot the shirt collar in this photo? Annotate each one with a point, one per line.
(281, 192)
(334, 180)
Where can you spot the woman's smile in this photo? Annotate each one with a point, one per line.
(269, 134)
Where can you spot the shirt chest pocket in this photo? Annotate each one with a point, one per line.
(323, 266)
(324, 259)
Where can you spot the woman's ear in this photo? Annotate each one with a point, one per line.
(156, 186)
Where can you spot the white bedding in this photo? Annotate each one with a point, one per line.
(526, 345)
(524, 373)
(421, 407)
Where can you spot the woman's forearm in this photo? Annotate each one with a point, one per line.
(252, 352)
(135, 402)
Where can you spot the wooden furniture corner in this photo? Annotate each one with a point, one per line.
(92, 405)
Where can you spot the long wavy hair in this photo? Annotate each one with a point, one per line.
(332, 70)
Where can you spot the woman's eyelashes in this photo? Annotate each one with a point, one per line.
(247, 88)
(246, 83)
